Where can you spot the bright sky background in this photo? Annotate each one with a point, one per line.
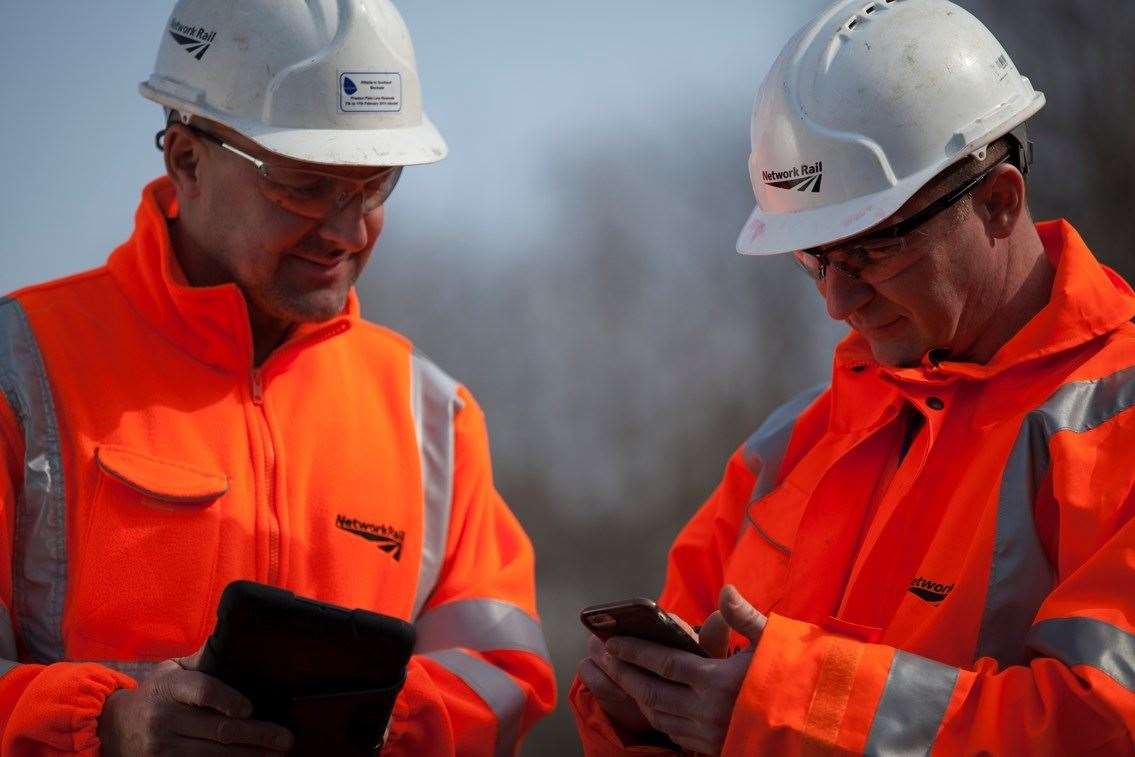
(505, 80)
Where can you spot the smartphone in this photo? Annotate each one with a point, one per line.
(328, 673)
(641, 619)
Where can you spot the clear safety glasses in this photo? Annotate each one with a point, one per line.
(878, 256)
(307, 192)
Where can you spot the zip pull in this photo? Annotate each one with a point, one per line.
(257, 386)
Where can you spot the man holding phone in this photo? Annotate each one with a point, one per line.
(934, 552)
(210, 406)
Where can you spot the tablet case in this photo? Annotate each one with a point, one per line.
(327, 673)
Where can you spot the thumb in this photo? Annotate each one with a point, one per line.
(190, 661)
(714, 635)
(741, 616)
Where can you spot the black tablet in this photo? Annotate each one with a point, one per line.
(327, 673)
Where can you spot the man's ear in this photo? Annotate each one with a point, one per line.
(182, 151)
(1000, 201)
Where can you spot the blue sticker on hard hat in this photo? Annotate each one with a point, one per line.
(370, 92)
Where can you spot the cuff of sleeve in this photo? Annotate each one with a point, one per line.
(59, 706)
(799, 691)
(419, 722)
(597, 734)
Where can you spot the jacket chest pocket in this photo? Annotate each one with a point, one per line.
(147, 555)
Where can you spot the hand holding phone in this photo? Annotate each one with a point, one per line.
(639, 618)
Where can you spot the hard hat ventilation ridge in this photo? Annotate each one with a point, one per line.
(855, 20)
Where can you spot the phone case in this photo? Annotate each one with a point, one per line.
(639, 618)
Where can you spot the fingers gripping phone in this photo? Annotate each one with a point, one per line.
(641, 619)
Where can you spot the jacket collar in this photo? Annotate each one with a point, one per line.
(1088, 300)
(209, 323)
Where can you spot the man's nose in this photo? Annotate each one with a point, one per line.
(347, 227)
(844, 294)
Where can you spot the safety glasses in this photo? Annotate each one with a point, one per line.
(307, 192)
(878, 256)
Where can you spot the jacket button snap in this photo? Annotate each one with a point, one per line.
(935, 404)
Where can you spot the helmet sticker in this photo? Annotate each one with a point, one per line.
(370, 92)
(194, 40)
(802, 178)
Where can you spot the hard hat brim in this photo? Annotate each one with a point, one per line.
(408, 146)
(779, 233)
(405, 146)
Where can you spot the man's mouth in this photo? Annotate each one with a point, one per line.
(324, 261)
(881, 327)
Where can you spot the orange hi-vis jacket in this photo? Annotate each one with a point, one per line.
(146, 464)
(977, 597)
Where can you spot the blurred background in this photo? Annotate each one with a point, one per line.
(572, 261)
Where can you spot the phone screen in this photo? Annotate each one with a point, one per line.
(640, 619)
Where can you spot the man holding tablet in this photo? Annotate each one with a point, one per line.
(210, 406)
(934, 553)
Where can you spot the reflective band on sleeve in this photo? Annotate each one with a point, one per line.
(765, 449)
(7, 635)
(912, 707)
(39, 569)
(434, 402)
(139, 671)
(482, 625)
(1086, 641)
(6, 665)
(495, 687)
(1021, 576)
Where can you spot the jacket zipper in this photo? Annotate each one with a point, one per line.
(257, 390)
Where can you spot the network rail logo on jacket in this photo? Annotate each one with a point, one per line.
(388, 539)
(931, 591)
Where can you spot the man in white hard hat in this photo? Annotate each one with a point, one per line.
(209, 406)
(934, 552)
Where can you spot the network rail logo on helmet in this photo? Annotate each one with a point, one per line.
(195, 40)
(809, 176)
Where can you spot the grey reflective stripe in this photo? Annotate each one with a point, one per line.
(6, 665)
(912, 707)
(495, 687)
(39, 569)
(139, 671)
(765, 449)
(434, 402)
(7, 635)
(479, 624)
(1021, 575)
(1086, 641)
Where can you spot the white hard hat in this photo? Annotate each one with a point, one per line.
(863, 107)
(324, 81)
